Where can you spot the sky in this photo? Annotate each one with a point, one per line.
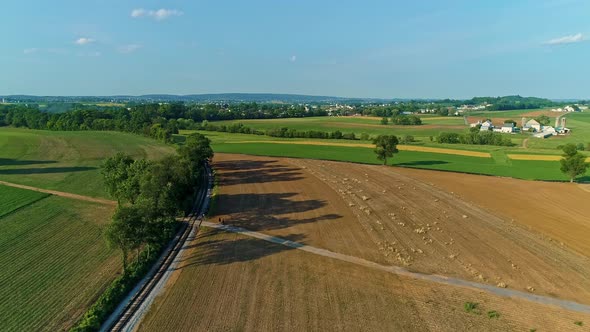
(382, 49)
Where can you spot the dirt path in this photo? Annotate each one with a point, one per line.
(61, 194)
(525, 143)
(503, 292)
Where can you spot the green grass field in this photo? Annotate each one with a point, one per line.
(432, 125)
(67, 161)
(14, 199)
(54, 262)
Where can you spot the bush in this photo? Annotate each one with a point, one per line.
(471, 307)
(449, 138)
(406, 120)
(365, 137)
(493, 314)
(407, 139)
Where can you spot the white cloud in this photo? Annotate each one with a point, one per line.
(129, 48)
(566, 39)
(158, 15)
(293, 58)
(84, 41)
(89, 54)
(30, 50)
(138, 12)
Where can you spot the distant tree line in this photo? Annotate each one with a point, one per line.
(159, 121)
(150, 196)
(511, 102)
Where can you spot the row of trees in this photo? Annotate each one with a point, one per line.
(474, 137)
(152, 194)
(276, 132)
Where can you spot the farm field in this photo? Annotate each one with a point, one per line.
(559, 209)
(14, 199)
(54, 261)
(67, 161)
(498, 164)
(431, 125)
(371, 212)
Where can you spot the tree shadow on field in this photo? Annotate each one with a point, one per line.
(423, 163)
(222, 249)
(237, 172)
(262, 212)
(48, 170)
(17, 162)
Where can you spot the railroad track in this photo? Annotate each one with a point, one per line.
(195, 218)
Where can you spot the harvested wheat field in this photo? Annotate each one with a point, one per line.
(558, 211)
(536, 157)
(381, 214)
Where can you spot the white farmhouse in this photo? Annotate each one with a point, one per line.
(486, 125)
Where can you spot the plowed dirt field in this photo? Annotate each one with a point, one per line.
(382, 214)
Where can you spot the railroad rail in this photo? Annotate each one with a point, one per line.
(194, 220)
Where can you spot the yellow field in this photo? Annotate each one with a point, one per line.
(361, 145)
(536, 157)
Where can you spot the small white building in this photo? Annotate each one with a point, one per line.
(507, 128)
(549, 130)
(534, 124)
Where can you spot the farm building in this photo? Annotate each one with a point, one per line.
(486, 125)
(506, 128)
(531, 124)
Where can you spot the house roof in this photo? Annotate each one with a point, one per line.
(509, 125)
(532, 122)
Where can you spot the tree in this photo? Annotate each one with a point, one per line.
(510, 121)
(543, 120)
(384, 120)
(122, 176)
(573, 162)
(125, 232)
(115, 171)
(385, 146)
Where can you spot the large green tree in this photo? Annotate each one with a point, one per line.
(122, 176)
(385, 147)
(126, 232)
(573, 162)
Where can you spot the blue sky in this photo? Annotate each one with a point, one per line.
(427, 49)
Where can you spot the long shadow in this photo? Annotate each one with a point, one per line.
(17, 162)
(423, 163)
(48, 170)
(255, 171)
(230, 165)
(222, 250)
(266, 211)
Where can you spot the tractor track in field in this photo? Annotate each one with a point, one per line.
(60, 193)
(439, 279)
(130, 312)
